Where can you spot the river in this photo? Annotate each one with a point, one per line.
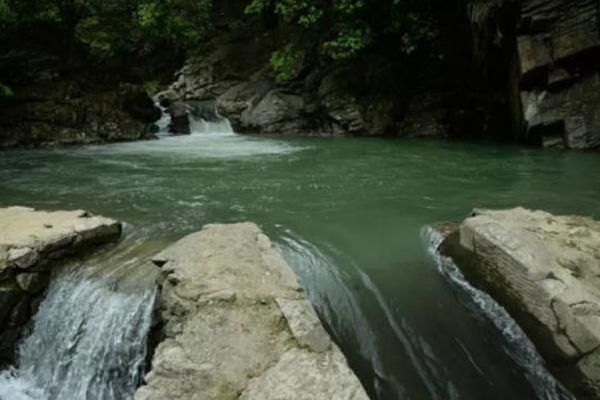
(348, 214)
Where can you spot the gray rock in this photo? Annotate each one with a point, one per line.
(180, 120)
(237, 322)
(23, 257)
(277, 112)
(544, 270)
(32, 282)
(560, 87)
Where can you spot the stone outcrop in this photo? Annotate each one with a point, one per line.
(320, 103)
(31, 243)
(236, 324)
(559, 58)
(545, 270)
(51, 106)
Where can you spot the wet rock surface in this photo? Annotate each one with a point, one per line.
(559, 53)
(545, 270)
(54, 106)
(236, 324)
(31, 244)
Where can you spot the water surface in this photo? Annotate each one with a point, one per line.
(347, 214)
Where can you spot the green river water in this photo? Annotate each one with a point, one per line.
(347, 214)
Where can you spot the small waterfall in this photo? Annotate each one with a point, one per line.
(165, 120)
(88, 339)
(517, 344)
(220, 127)
(205, 120)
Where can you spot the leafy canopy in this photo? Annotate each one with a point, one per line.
(110, 27)
(344, 28)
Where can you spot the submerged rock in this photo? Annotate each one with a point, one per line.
(237, 324)
(31, 242)
(545, 270)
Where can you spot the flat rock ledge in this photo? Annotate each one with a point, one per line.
(31, 243)
(237, 325)
(545, 270)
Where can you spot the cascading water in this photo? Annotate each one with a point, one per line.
(220, 127)
(163, 123)
(205, 120)
(88, 339)
(516, 343)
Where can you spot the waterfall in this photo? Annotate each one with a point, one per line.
(165, 120)
(219, 127)
(516, 343)
(88, 339)
(205, 120)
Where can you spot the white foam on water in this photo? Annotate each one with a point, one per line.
(516, 342)
(208, 140)
(88, 341)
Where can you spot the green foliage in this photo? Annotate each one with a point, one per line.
(348, 43)
(287, 62)
(110, 27)
(5, 91)
(343, 29)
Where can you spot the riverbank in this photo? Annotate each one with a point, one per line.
(544, 270)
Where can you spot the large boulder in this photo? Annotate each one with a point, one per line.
(545, 270)
(180, 119)
(31, 244)
(277, 112)
(236, 324)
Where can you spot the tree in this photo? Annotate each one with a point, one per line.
(343, 29)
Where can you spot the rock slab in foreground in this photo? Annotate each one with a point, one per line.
(31, 242)
(545, 270)
(238, 325)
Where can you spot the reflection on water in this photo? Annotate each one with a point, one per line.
(347, 214)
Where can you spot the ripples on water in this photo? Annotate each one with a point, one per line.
(347, 215)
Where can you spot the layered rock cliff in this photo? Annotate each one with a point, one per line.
(559, 59)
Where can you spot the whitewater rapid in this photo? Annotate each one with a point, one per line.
(88, 339)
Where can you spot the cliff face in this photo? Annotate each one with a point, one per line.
(52, 105)
(559, 59)
(530, 74)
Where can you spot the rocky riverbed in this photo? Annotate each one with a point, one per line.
(544, 269)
